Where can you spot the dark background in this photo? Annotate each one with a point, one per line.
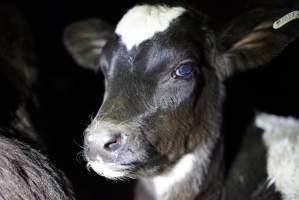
(70, 96)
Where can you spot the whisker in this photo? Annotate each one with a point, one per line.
(77, 144)
(80, 157)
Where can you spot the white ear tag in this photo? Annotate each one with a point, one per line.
(286, 19)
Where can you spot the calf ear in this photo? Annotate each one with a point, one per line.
(85, 40)
(252, 40)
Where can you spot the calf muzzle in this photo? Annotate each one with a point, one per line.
(105, 143)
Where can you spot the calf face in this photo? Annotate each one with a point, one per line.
(164, 87)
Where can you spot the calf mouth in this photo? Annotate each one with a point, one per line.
(111, 163)
(128, 164)
(148, 166)
(111, 152)
(119, 153)
(112, 170)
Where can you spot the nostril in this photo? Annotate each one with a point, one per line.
(114, 143)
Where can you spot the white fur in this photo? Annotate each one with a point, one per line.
(282, 140)
(104, 169)
(183, 168)
(180, 170)
(142, 22)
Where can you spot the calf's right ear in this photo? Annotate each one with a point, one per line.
(85, 41)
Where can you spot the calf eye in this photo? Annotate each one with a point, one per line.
(183, 70)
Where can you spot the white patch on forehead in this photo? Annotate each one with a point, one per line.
(142, 22)
(281, 137)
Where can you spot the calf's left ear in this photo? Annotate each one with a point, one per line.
(85, 41)
(252, 40)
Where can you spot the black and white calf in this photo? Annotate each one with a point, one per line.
(161, 116)
(25, 173)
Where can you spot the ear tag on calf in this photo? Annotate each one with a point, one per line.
(286, 19)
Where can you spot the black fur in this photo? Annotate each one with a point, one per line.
(25, 172)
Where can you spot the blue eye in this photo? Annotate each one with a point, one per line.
(183, 70)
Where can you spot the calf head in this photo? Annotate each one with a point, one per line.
(164, 67)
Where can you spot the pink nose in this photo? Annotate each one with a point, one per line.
(104, 144)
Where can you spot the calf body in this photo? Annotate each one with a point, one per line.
(25, 173)
(161, 115)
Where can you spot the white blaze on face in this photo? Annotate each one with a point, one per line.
(281, 137)
(142, 22)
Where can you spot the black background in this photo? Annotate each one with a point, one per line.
(70, 96)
